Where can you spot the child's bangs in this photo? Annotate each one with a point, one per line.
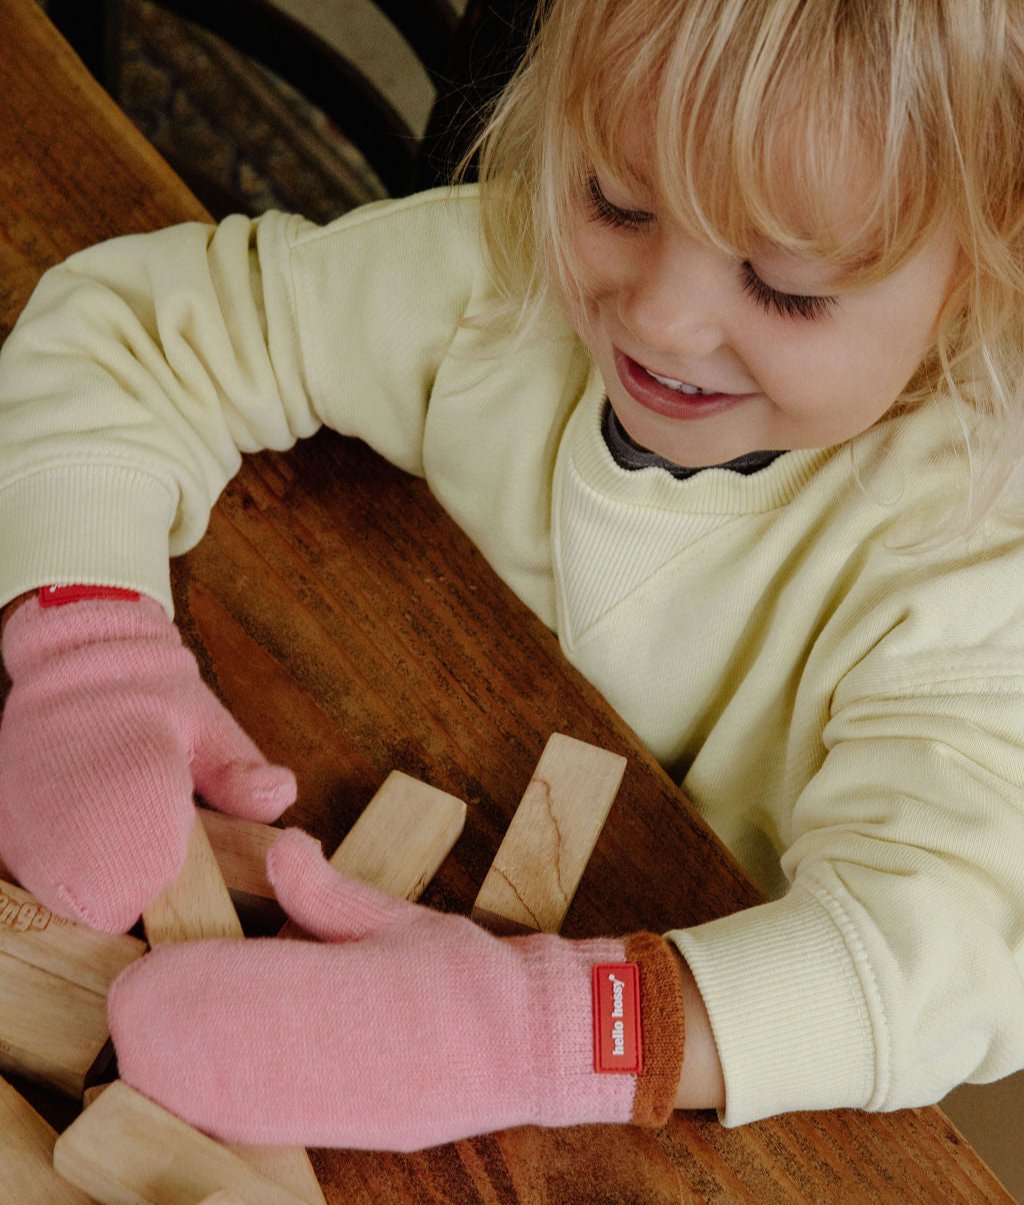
(754, 124)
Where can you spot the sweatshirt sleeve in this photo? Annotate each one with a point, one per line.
(891, 970)
(142, 368)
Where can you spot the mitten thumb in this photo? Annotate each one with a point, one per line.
(231, 773)
(326, 904)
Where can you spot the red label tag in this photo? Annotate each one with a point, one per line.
(58, 596)
(617, 1045)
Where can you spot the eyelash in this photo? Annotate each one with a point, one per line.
(603, 211)
(772, 301)
(788, 305)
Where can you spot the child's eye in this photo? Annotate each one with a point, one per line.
(788, 305)
(602, 210)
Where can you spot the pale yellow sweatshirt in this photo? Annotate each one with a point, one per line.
(849, 717)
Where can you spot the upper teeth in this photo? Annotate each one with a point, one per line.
(678, 386)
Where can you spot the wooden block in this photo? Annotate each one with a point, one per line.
(197, 905)
(403, 835)
(51, 1030)
(537, 869)
(285, 1165)
(126, 1150)
(398, 843)
(240, 847)
(279, 1164)
(54, 977)
(33, 934)
(400, 840)
(92, 1092)
(26, 1156)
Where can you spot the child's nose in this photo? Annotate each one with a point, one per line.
(676, 299)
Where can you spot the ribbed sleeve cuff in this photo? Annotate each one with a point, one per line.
(98, 525)
(787, 1008)
(663, 1028)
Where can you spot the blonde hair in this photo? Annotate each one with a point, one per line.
(748, 97)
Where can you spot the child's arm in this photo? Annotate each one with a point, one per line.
(139, 372)
(143, 368)
(890, 971)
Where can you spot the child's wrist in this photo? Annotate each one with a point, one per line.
(702, 1083)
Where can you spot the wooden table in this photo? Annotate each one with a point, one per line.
(353, 629)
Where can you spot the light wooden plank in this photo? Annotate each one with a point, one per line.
(33, 934)
(400, 840)
(197, 904)
(240, 847)
(541, 860)
(398, 843)
(92, 1093)
(284, 1165)
(126, 1150)
(26, 1156)
(54, 977)
(402, 836)
(287, 1165)
(51, 1030)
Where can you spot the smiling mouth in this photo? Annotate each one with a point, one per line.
(679, 386)
(669, 396)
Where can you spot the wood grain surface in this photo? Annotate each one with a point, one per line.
(197, 904)
(126, 1150)
(402, 836)
(26, 1156)
(353, 630)
(533, 878)
(54, 978)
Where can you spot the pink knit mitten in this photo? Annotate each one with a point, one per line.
(107, 727)
(411, 1028)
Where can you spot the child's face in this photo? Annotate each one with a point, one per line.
(786, 358)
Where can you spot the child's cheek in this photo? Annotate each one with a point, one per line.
(586, 283)
(593, 259)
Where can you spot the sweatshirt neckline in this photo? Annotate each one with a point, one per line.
(629, 455)
(716, 490)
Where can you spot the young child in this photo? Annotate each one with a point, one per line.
(721, 369)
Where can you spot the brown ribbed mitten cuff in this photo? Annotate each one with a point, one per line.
(663, 1027)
